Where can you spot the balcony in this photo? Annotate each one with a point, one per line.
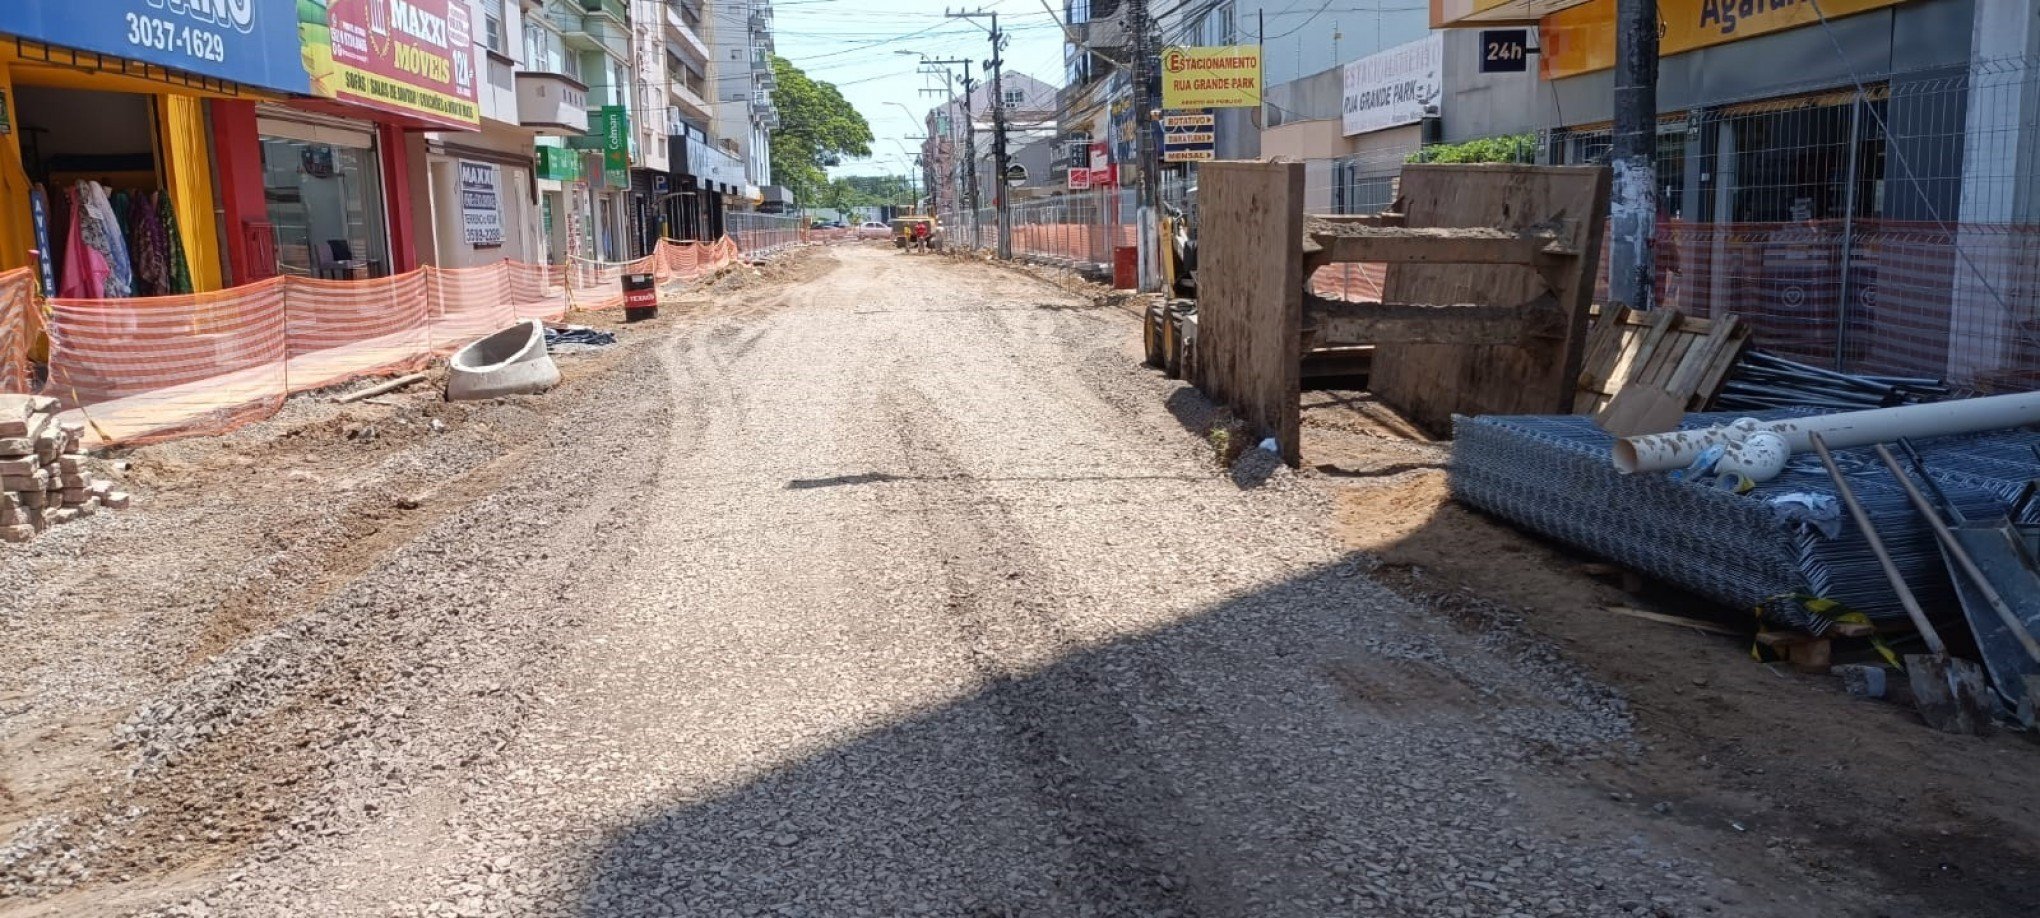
(686, 33)
(552, 104)
(498, 95)
(599, 25)
(617, 10)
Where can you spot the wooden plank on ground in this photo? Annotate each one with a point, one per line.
(1431, 382)
(1250, 295)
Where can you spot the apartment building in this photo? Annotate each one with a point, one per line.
(740, 35)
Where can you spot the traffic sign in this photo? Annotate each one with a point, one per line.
(1016, 175)
(1189, 136)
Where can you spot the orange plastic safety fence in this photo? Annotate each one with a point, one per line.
(167, 366)
(141, 370)
(17, 328)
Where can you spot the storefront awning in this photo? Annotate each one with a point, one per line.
(1463, 14)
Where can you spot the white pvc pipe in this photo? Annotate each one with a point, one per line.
(1667, 451)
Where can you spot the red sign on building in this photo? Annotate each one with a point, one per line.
(415, 58)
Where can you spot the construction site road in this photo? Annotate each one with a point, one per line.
(879, 585)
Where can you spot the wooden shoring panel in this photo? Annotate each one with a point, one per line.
(1250, 295)
(1330, 323)
(1431, 382)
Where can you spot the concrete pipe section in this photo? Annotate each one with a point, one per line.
(510, 362)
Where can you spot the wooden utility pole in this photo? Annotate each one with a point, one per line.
(1632, 207)
(997, 65)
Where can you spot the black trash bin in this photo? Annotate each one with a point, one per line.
(640, 297)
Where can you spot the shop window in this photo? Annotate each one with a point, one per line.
(326, 202)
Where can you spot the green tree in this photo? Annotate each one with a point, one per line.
(1514, 148)
(818, 128)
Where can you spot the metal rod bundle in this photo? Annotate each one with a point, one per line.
(1763, 381)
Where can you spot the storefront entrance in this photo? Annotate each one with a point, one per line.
(98, 204)
(324, 193)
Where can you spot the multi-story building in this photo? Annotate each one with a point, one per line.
(475, 187)
(740, 36)
(1298, 40)
(964, 124)
(689, 200)
(591, 41)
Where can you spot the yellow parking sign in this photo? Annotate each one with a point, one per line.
(1221, 76)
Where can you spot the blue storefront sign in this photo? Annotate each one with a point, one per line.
(246, 41)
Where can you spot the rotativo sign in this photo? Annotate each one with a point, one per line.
(1222, 76)
(415, 58)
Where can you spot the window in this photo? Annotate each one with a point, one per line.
(493, 32)
(543, 50)
(1015, 98)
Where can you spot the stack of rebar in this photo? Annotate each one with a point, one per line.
(1761, 382)
(1553, 476)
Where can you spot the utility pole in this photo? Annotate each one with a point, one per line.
(997, 66)
(1632, 210)
(969, 124)
(1145, 105)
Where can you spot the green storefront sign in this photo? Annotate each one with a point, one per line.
(616, 146)
(559, 164)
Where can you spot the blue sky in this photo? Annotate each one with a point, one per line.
(854, 45)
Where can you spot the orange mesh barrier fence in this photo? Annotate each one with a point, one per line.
(166, 366)
(338, 330)
(1361, 283)
(17, 327)
(142, 370)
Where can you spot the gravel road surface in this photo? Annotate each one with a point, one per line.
(890, 587)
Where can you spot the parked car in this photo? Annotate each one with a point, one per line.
(872, 229)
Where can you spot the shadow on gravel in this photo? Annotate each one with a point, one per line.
(1298, 751)
(837, 481)
(1317, 748)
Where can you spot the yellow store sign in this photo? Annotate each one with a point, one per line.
(1225, 76)
(1582, 39)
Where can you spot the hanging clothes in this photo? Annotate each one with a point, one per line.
(84, 267)
(60, 228)
(150, 248)
(180, 270)
(102, 232)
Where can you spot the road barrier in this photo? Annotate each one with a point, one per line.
(759, 235)
(148, 369)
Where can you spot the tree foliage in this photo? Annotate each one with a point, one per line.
(817, 129)
(1514, 148)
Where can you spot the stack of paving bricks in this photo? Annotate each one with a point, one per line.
(43, 477)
